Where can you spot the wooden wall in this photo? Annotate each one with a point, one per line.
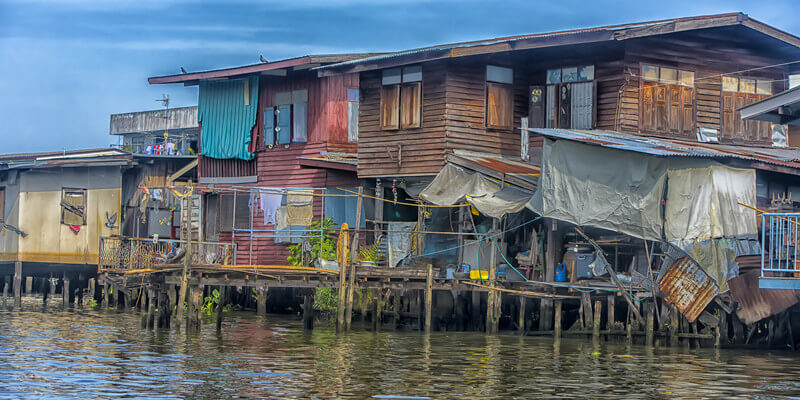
(422, 148)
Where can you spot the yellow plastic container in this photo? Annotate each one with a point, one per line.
(479, 274)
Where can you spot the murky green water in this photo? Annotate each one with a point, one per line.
(100, 354)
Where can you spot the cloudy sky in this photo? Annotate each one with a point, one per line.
(65, 65)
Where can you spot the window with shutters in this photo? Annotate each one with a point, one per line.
(287, 121)
(499, 97)
(352, 114)
(736, 93)
(401, 98)
(569, 98)
(73, 206)
(666, 101)
(225, 213)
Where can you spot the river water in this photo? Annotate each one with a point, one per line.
(86, 353)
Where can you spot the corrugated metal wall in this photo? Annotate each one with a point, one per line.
(227, 119)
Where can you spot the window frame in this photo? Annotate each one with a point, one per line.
(83, 194)
(400, 78)
(680, 128)
(353, 107)
(555, 92)
(502, 85)
(294, 123)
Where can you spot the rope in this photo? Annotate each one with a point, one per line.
(404, 203)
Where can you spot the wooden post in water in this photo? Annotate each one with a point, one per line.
(261, 306)
(18, 284)
(611, 318)
(557, 324)
(674, 325)
(106, 296)
(223, 294)
(151, 307)
(29, 285)
(186, 227)
(629, 326)
(552, 252)
(650, 322)
(348, 318)
(5, 291)
(65, 292)
(308, 311)
(475, 309)
(343, 244)
(92, 290)
(521, 320)
(493, 298)
(428, 297)
(596, 322)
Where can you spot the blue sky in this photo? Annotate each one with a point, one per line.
(65, 65)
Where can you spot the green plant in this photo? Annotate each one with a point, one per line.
(370, 253)
(326, 300)
(210, 303)
(323, 247)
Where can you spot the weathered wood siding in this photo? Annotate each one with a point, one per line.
(422, 148)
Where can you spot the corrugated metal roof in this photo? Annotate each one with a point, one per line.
(513, 171)
(614, 32)
(687, 286)
(755, 303)
(787, 157)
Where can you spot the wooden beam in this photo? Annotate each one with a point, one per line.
(182, 171)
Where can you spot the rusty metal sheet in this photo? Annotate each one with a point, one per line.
(687, 286)
(755, 303)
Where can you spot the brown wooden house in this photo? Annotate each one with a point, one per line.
(272, 125)
(663, 78)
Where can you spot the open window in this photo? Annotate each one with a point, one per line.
(499, 97)
(73, 206)
(225, 212)
(667, 100)
(401, 98)
(569, 98)
(287, 121)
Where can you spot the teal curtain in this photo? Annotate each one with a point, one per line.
(226, 117)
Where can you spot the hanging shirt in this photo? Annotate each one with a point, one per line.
(270, 202)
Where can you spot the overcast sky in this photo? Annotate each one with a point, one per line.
(65, 65)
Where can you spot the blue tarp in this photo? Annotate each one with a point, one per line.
(226, 118)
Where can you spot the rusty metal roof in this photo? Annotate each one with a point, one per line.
(755, 303)
(508, 170)
(657, 146)
(687, 286)
(574, 36)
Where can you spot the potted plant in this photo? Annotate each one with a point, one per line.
(370, 255)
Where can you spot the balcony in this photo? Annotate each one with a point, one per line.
(780, 265)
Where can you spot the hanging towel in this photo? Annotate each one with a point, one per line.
(282, 231)
(300, 206)
(270, 202)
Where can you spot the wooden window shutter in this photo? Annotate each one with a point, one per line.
(688, 117)
(390, 107)
(727, 115)
(648, 107)
(499, 105)
(739, 129)
(675, 109)
(660, 108)
(536, 111)
(269, 126)
(411, 105)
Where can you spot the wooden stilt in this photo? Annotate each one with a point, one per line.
(588, 316)
(172, 299)
(596, 321)
(428, 298)
(308, 311)
(28, 285)
(611, 300)
(343, 267)
(557, 324)
(92, 289)
(18, 284)
(492, 299)
(186, 227)
(65, 292)
(650, 322)
(475, 310)
(348, 318)
(674, 325)
(521, 319)
(397, 306)
(223, 295)
(261, 303)
(151, 307)
(5, 292)
(629, 326)
(376, 309)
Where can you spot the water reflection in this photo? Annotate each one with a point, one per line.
(85, 353)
